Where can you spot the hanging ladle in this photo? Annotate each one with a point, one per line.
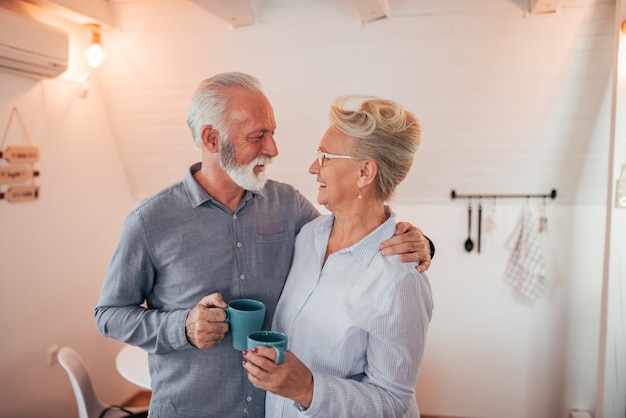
(469, 244)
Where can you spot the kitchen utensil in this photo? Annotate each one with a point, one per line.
(480, 221)
(490, 218)
(543, 220)
(469, 244)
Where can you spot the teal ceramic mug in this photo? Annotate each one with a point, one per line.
(245, 316)
(276, 340)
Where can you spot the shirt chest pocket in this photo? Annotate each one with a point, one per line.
(274, 252)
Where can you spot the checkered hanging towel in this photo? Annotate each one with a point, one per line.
(526, 270)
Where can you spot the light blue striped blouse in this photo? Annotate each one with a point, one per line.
(359, 323)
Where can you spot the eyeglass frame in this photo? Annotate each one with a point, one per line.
(321, 156)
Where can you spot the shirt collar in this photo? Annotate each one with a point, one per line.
(198, 196)
(364, 250)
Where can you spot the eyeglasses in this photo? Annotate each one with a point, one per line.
(321, 156)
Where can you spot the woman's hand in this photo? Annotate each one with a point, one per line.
(291, 379)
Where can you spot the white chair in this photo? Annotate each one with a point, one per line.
(89, 406)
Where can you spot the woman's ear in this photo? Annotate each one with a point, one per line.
(210, 138)
(368, 171)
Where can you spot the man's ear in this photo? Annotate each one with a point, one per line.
(210, 138)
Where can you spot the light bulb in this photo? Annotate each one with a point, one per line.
(95, 53)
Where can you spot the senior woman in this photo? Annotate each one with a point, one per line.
(356, 320)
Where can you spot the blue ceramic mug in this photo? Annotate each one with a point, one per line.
(277, 340)
(245, 316)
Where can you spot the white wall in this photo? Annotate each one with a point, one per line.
(612, 361)
(509, 102)
(54, 251)
(489, 354)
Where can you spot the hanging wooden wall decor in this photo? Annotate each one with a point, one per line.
(17, 166)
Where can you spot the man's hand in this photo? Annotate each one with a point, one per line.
(205, 326)
(411, 244)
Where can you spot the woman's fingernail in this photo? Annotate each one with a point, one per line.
(244, 352)
(255, 350)
(244, 362)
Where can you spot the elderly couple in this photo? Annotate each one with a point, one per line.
(348, 288)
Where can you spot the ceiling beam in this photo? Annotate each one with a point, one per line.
(234, 12)
(80, 11)
(544, 6)
(371, 10)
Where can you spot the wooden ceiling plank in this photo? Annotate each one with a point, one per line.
(234, 12)
(371, 10)
(544, 6)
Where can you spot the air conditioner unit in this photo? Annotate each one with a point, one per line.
(30, 47)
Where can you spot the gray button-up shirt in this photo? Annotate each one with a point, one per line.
(177, 247)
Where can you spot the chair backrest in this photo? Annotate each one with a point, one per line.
(88, 404)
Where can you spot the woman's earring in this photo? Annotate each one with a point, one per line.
(359, 196)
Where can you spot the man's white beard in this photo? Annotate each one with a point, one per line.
(243, 175)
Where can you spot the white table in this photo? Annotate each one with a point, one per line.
(132, 363)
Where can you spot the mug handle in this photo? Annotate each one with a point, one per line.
(280, 355)
(226, 312)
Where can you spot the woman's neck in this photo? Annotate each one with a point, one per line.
(350, 228)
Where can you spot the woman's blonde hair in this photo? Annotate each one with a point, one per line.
(379, 130)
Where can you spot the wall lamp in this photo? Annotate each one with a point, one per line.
(95, 53)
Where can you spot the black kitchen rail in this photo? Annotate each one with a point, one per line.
(455, 195)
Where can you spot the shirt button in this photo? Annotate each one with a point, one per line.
(238, 245)
(245, 410)
(235, 217)
(242, 277)
(249, 398)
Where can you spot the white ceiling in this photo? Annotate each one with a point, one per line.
(509, 101)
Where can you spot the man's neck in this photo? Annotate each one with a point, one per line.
(219, 185)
